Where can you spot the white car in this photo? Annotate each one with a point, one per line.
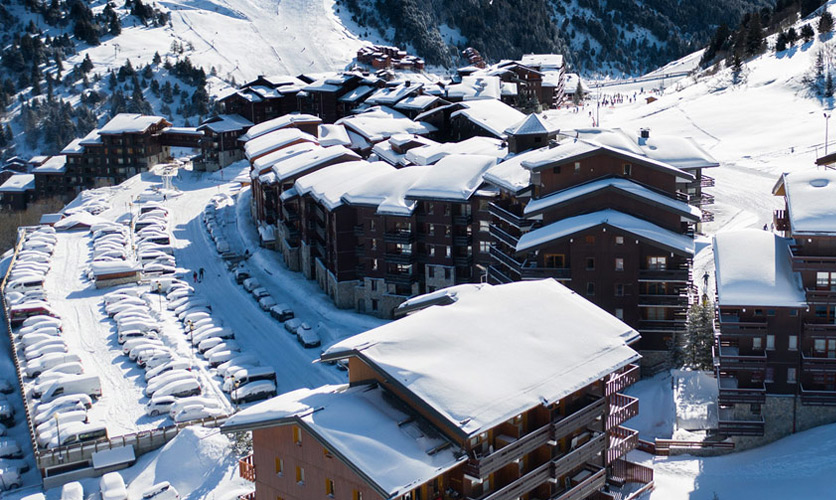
(66, 404)
(35, 338)
(165, 378)
(159, 359)
(42, 320)
(251, 284)
(159, 405)
(266, 303)
(195, 412)
(254, 391)
(72, 491)
(161, 491)
(112, 487)
(229, 345)
(130, 344)
(177, 364)
(10, 478)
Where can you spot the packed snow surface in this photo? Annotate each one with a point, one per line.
(811, 201)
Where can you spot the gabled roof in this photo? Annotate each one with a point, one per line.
(387, 192)
(298, 165)
(510, 174)
(542, 61)
(753, 268)
(495, 352)
(333, 135)
(54, 165)
(329, 184)
(356, 94)
(490, 114)
(642, 229)
(388, 448)
(131, 123)
(417, 103)
(390, 95)
(274, 140)
(454, 178)
(432, 153)
(226, 123)
(626, 186)
(475, 87)
(533, 124)
(270, 159)
(811, 201)
(385, 149)
(381, 122)
(283, 121)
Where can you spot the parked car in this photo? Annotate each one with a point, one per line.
(176, 364)
(72, 491)
(180, 388)
(159, 405)
(47, 361)
(241, 273)
(251, 284)
(10, 478)
(181, 403)
(254, 391)
(112, 487)
(281, 312)
(244, 376)
(260, 292)
(195, 412)
(166, 378)
(266, 302)
(10, 449)
(161, 491)
(89, 385)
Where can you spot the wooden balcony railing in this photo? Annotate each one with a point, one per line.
(731, 326)
(503, 236)
(811, 262)
(483, 466)
(730, 358)
(511, 218)
(580, 455)
(537, 273)
(819, 329)
(524, 484)
(622, 441)
(730, 393)
(817, 397)
(246, 468)
(622, 409)
(501, 257)
(668, 275)
(740, 427)
(579, 419)
(815, 296)
(780, 220)
(678, 300)
(810, 363)
(399, 236)
(587, 487)
(619, 381)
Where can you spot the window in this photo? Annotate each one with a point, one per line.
(447, 273)
(758, 312)
(577, 167)
(329, 487)
(297, 435)
(279, 466)
(619, 290)
(770, 375)
(431, 271)
(484, 226)
(791, 375)
(657, 263)
(793, 312)
(374, 265)
(556, 170)
(770, 342)
(628, 169)
(447, 209)
(484, 246)
(430, 208)
(590, 263)
(619, 240)
(826, 281)
(619, 264)
(432, 250)
(431, 230)
(356, 495)
(372, 225)
(554, 260)
(793, 345)
(374, 304)
(590, 288)
(770, 312)
(449, 252)
(326, 453)
(373, 284)
(300, 475)
(374, 244)
(589, 239)
(619, 313)
(757, 344)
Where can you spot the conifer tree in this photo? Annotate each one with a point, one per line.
(825, 22)
(699, 336)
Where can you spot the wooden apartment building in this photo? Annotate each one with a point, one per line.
(456, 417)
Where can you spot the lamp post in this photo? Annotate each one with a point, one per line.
(160, 293)
(57, 430)
(190, 326)
(826, 130)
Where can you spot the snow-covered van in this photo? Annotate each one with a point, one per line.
(47, 361)
(74, 384)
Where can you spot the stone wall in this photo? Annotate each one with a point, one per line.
(781, 414)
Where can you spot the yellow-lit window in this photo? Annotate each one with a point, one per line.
(297, 435)
(279, 466)
(356, 495)
(300, 475)
(327, 453)
(329, 487)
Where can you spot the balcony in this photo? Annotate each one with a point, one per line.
(463, 260)
(731, 392)
(498, 277)
(819, 330)
(402, 236)
(706, 181)
(358, 230)
(509, 217)
(733, 426)
(678, 300)
(585, 484)
(622, 409)
(399, 257)
(503, 237)
(463, 240)
(731, 359)
(811, 363)
(246, 468)
(661, 325)
(811, 262)
(499, 256)
(620, 381)
(517, 449)
(702, 200)
(580, 418)
(580, 455)
(622, 441)
(781, 220)
(816, 296)
(707, 216)
(817, 397)
(462, 220)
(290, 214)
(729, 325)
(666, 275)
(400, 278)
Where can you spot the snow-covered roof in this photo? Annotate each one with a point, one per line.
(490, 114)
(454, 177)
(74, 147)
(811, 201)
(270, 159)
(475, 87)
(753, 268)
(478, 145)
(572, 81)
(322, 85)
(417, 103)
(299, 164)
(361, 426)
(277, 139)
(533, 124)
(381, 122)
(329, 184)
(542, 61)
(18, 183)
(130, 123)
(283, 121)
(385, 149)
(617, 183)
(552, 78)
(226, 123)
(387, 192)
(510, 174)
(92, 138)
(674, 242)
(444, 296)
(103, 268)
(333, 135)
(266, 92)
(38, 159)
(54, 165)
(496, 352)
(356, 94)
(390, 95)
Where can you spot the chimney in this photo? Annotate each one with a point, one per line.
(644, 133)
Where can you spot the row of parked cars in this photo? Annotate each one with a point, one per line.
(24, 289)
(153, 241)
(214, 220)
(112, 487)
(241, 375)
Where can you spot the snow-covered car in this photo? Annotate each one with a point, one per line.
(241, 273)
(47, 361)
(36, 338)
(9, 448)
(254, 391)
(122, 337)
(194, 315)
(41, 320)
(72, 491)
(129, 345)
(181, 403)
(112, 309)
(10, 478)
(46, 328)
(281, 312)
(196, 412)
(166, 378)
(294, 324)
(245, 376)
(177, 364)
(158, 359)
(221, 357)
(6, 387)
(44, 347)
(236, 363)
(161, 491)
(112, 487)
(142, 355)
(267, 302)
(43, 410)
(226, 345)
(251, 284)
(7, 413)
(220, 332)
(260, 292)
(180, 388)
(189, 303)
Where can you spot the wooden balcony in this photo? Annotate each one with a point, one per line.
(495, 275)
(501, 257)
(581, 418)
(358, 230)
(516, 449)
(780, 220)
(538, 273)
(707, 215)
(810, 363)
(400, 278)
(622, 441)
(401, 236)
(731, 393)
(463, 260)
(815, 296)
(580, 455)
(594, 481)
(678, 300)
(819, 330)
(509, 217)
(524, 484)
(246, 468)
(661, 325)
(817, 397)
(503, 236)
(619, 381)
(729, 325)
(729, 425)
(462, 220)
(399, 257)
(730, 358)
(624, 472)
(706, 181)
(811, 262)
(622, 409)
(667, 275)
(462, 240)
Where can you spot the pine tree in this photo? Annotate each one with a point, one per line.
(754, 36)
(699, 336)
(781, 42)
(807, 33)
(157, 58)
(86, 64)
(825, 22)
(737, 68)
(828, 85)
(792, 36)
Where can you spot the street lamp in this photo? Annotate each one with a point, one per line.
(57, 430)
(826, 124)
(190, 326)
(160, 293)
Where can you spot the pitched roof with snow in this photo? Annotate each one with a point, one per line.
(130, 123)
(542, 61)
(667, 239)
(753, 268)
(270, 159)
(475, 87)
(388, 191)
(380, 123)
(492, 115)
(74, 147)
(333, 135)
(299, 164)
(390, 95)
(417, 103)
(226, 123)
(329, 184)
(392, 450)
(627, 186)
(18, 183)
(811, 201)
(356, 94)
(283, 121)
(92, 138)
(478, 145)
(274, 140)
(533, 124)
(505, 349)
(54, 165)
(385, 149)
(455, 178)
(510, 174)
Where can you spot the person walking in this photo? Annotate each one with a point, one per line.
(194, 276)
(200, 275)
